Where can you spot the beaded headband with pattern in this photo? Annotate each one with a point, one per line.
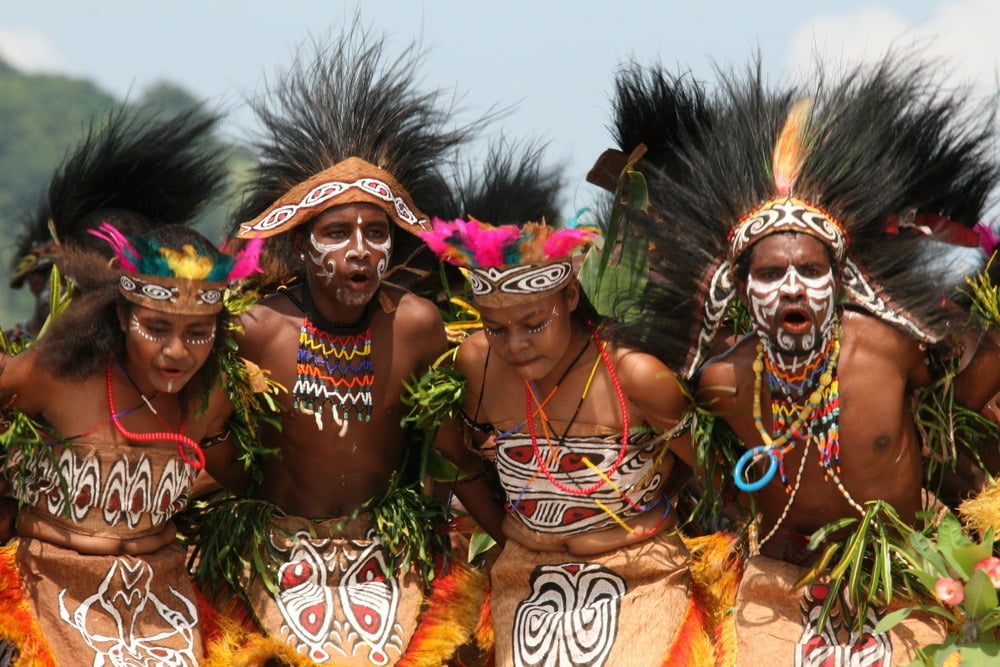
(788, 214)
(349, 181)
(190, 281)
(508, 264)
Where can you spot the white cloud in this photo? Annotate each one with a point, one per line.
(961, 33)
(30, 51)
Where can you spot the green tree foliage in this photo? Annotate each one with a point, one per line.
(42, 118)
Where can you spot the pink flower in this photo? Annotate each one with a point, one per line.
(949, 591)
(991, 566)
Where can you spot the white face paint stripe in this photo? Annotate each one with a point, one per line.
(764, 298)
(328, 266)
(141, 330)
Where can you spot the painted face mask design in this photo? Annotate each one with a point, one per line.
(796, 332)
(320, 253)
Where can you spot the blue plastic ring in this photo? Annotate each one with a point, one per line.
(746, 461)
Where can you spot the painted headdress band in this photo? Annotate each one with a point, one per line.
(788, 214)
(350, 181)
(172, 295)
(188, 282)
(508, 264)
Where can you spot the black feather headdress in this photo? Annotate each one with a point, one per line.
(349, 101)
(513, 187)
(654, 109)
(135, 169)
(132, 169)
(36, 250)
(845, 160)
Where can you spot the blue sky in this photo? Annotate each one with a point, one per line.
(555, 61)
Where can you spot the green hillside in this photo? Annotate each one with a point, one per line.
(42, 117)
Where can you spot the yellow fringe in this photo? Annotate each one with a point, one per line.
(716, 569)
(17, 620)
(446, 624)
(725, 642)
(790, 150)
(983, 511)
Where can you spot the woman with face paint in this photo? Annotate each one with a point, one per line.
(111, 412)
(124, 387)
(582, 435)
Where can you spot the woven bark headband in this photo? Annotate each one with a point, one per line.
(508, 265)
(189, 281)
(350, 181)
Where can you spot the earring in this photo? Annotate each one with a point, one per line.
(302, 257)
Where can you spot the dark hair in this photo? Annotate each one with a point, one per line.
(81, 341)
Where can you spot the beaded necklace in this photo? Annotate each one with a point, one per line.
(821, 409)
(787, 388)
(183, 441)
(816, 421)
(333, 367)
(531, 399)
(822, 404)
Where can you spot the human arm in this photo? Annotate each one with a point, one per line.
(473, 484)
(660, 397)
(978, 378)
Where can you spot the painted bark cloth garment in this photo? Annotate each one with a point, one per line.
(537, 501)
(775, 623)
(66, 608)
(338, 603)
(630, 607)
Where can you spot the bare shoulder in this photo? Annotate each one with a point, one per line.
(417, 325)
(265, 318)
(647, 381)
(870, 338)
(638, 369)
(24, 382)
(471, 355)
(722, 369)
(876, 333)
(413, 312)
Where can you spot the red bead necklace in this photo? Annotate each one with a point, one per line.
(183, 441)
(530, 399)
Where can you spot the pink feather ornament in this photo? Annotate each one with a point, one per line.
(124, 250)
(247, 261)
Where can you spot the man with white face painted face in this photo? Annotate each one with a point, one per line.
(343, 343)
(805, 211)
(821, 394)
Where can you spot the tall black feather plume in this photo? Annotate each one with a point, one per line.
(513, 186)
(33, 226)
(870, 135)
(137, 169)
(351, 99)
(654, 108)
